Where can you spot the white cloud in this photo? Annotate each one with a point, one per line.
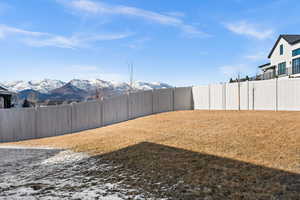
(7, 30)
(71, 42)
(251, 30)
(91, 72)
(232, 71)
(176, 14)
(100, 8)
(138, 43)
(258, 56)
(40, 39)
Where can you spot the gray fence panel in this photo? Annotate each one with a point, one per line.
(201, 97)
(183, 99)
(265, 95)
(17, 124)
(244, 95)
(86, 115)
(217, 97)
(140, 104)
(251, 96)
(232, 96)
(289, 94)
(163, 100)
(54, 120)
(7, 120)
(115, 109)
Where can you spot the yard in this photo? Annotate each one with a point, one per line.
(197, 154)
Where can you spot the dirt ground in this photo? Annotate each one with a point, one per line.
(217, 154)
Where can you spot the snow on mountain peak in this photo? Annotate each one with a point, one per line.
(43, 86)
(47, 85)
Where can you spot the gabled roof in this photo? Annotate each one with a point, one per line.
(2, 88)
(291, 39)
(261, 66)
(5, 91)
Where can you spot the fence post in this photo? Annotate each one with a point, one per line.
(209, 100)
(101, 113)
(35, 122)
(173, 97)
(152, 101)
(248, 95)
(192, 99)
(71, 117)
(239, 95)
(224, 96)
(127, 99)
(253, 97)
(276, 100)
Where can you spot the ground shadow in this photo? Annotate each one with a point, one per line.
(180, 174)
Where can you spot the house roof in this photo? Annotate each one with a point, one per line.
(5, 91)
(261, 66)
(291, 39)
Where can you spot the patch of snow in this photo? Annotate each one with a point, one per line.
(65, 157)
(43, 86)
(47, 85)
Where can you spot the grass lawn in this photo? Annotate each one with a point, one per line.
(217, 154)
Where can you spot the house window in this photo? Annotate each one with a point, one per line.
(281, 49)
(296, 66)
(282, 68)
(296, 52)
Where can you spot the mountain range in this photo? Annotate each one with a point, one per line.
(75, 89)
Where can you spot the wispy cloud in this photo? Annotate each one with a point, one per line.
(100, 8)
(176, 14)
(72, 42)
(8, 30)
(257, 56)
(91, 72)
(251, 30)
(41, 39)
(138, 43)
(232, 71)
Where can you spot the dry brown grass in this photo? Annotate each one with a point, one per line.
(270, 139)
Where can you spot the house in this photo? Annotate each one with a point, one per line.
(5, 98)
(284, 58)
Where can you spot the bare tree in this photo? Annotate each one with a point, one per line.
(32, 97)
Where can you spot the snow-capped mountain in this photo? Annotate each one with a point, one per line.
(89, 85)
(44, 86)
(149, 86)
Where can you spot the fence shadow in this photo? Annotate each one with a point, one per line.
(180, 174)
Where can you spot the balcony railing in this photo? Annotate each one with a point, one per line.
(268, 75)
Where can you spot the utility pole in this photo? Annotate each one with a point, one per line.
(130, 65)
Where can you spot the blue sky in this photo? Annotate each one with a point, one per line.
(179, 42)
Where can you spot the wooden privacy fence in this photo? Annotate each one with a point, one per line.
(30, 123)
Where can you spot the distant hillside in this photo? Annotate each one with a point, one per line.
(69, 92)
